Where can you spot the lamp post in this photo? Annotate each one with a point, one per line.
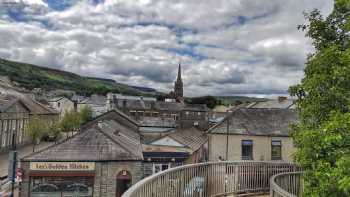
(12, 164)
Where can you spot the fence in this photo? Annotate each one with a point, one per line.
(288, 184)
(210, 179)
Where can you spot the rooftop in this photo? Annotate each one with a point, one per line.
(257, 121)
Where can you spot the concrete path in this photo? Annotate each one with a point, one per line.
(23, 151)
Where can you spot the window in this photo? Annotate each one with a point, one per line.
(61, 186)
(158, 167)
(58, 104)
(276, 150)
(247, 149)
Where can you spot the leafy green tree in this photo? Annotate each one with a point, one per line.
(72, 120)
(36, 128)
(55, 131)
(85, 114)
(322, 135)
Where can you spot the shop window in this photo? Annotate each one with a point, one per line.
(61, 186)
(276, 150)
(158, 167)
(247, 149)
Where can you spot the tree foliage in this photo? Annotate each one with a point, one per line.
(70, 122)
(323, 134)
(85, 114)
(36, 128)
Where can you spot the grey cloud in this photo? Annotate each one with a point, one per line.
(130, 40)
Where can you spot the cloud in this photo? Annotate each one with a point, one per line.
(226, 47)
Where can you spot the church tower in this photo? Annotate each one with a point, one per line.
(178, 89)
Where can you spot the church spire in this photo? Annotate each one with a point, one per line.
(179, 73)
(178, 89)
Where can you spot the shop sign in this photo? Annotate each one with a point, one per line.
(62, 166)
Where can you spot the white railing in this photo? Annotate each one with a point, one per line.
(210, 179)
(288, 184)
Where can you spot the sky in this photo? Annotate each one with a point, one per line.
(226, 47)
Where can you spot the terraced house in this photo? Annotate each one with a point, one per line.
(258, 134)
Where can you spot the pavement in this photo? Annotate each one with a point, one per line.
(23, 151)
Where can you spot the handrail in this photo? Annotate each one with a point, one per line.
(210, 179)
(288, 184)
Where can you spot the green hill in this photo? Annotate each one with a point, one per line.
(30, 76)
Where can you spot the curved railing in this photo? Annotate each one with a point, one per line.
(288, 184)
(210, 179)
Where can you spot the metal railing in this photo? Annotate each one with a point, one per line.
(210, 179)
(288, 184)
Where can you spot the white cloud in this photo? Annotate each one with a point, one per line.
(226, 47)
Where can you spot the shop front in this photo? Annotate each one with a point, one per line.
(103, 160)
(61, 179)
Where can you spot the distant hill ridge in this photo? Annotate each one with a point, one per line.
(30, 76)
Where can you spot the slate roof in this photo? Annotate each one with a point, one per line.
(196, 107)
(285, 104)
(126, 97)
(106, 141)
(6, 102)
(98, 99)
(257, 121)
(157, 122)
(34, 107)
(55, 99)
(37, 108)
(191, 137)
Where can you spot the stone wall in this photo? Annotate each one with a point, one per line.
(105, 182)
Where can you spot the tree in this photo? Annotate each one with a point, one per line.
(322, 135)
(55, 131)
(36, 128)
(85, 114)
(70, 122)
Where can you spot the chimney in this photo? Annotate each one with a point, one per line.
(282, 98)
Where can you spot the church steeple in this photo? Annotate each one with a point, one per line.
(178, 89)
(179, 73)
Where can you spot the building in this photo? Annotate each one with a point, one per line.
(175, 148)
(257, 134)
(15, 113)
(282, 102)
(14, 117)
(185, 115)
(178, 86)
(140, 108)
(104, 159)
(62, 104)
(97, 103)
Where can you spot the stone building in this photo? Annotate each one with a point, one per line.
(15, 113)
(14, 116)
(257, 134)
(178, 86)
(103, 160)
(174, 148)
(62, 104)
(185, 115)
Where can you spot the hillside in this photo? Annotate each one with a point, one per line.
(30, 76)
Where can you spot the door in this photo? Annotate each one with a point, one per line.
(123, 182)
